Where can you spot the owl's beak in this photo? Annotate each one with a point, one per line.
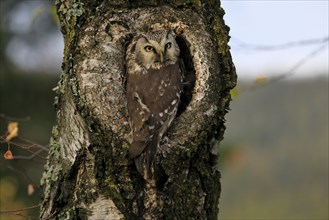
(159, 58)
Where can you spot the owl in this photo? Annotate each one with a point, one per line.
(154, 86)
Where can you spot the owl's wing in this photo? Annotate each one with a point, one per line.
(153, 99)
(139, 114)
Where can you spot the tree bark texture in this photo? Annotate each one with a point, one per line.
(89, 174)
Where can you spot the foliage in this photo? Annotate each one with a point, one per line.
(27, 99)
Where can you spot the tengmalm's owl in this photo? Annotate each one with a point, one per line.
(154, 86)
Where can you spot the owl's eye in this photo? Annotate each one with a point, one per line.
(148, 48)
(167, 46)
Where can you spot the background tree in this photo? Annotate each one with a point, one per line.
(89, 172)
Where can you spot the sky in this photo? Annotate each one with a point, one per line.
(272, 23)
(253, 23)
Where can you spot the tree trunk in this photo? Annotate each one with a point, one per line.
(89, 174)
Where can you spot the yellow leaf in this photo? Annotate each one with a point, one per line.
(30, 189)
(235, 93)
(261, 79)
(12, 130)
(8, 155)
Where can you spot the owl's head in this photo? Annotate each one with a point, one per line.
(156, 49)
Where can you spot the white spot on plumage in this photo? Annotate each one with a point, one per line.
(161, 91)
(174, 102)
(144, 107)
(173, 111)
(160, 114)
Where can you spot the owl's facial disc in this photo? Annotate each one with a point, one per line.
(156, 51)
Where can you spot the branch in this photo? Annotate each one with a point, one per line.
(246, 46)
(27, 118)
(289, 73)
(28, 179)
(17, 211)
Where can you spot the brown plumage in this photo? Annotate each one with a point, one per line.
(154, 86)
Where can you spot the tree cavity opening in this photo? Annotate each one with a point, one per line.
(189, 77)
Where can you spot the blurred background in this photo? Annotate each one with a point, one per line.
(274, 157)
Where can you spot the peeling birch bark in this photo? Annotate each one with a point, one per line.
(89, 174)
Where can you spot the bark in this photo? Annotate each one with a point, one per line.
(89, 174)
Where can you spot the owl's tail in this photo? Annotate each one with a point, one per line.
(145, 161)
